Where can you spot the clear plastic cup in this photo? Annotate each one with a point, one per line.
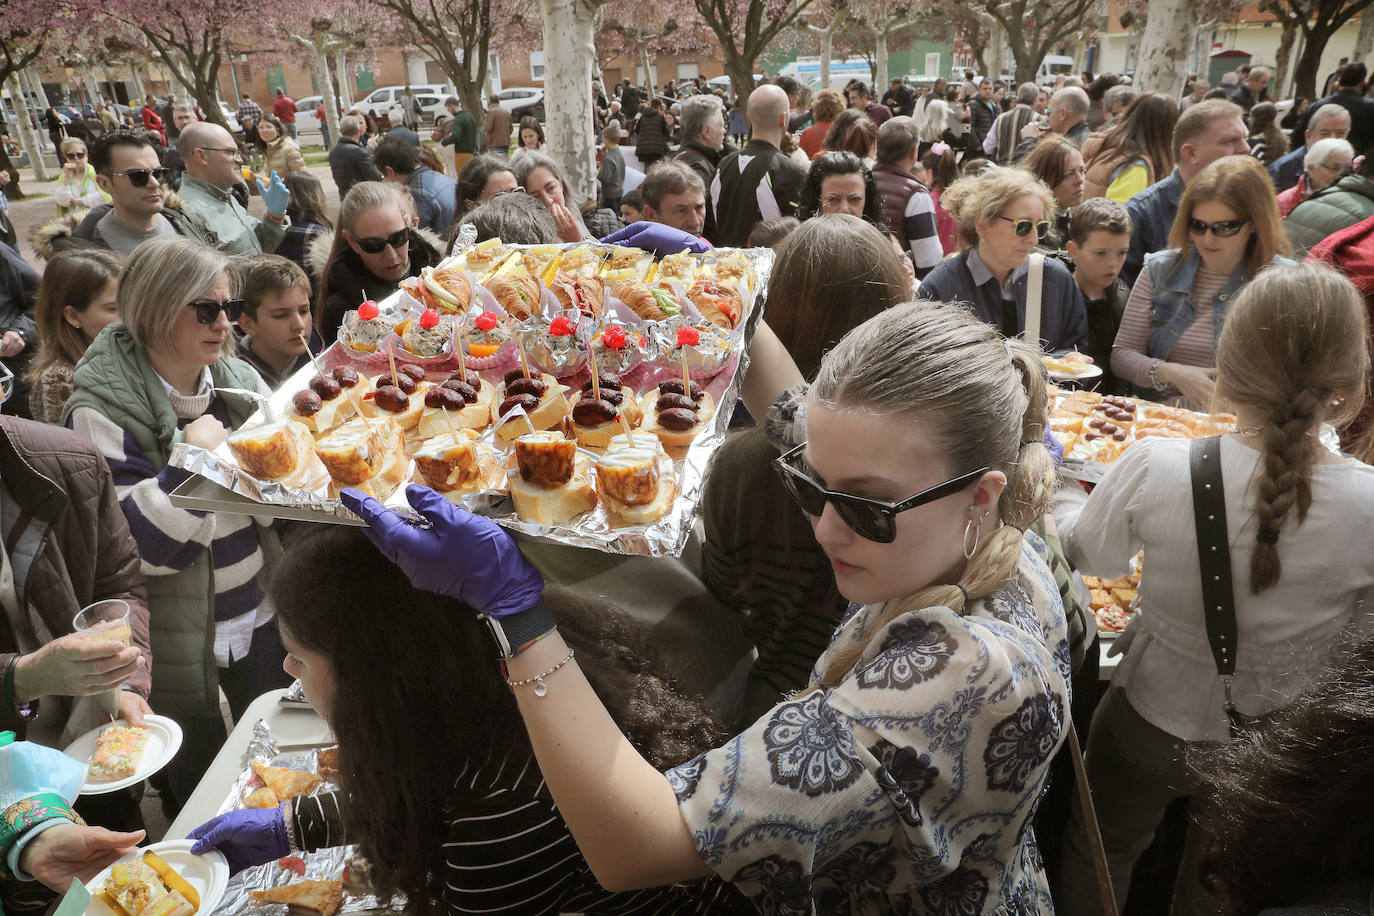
(106, 621)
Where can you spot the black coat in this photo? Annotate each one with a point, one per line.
(351, 162)
(652, 137)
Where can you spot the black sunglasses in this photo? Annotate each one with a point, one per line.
(1023, 227)
(72, 157)
(397, 239)
(871, 519)
(207, 310)
(139, 177)
(1222, 229)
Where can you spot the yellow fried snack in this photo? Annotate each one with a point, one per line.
(173, 880)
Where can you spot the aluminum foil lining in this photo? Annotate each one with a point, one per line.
(666, 537)
(321, 865)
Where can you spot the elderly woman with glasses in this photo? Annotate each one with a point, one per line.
(1326, 162)
(163, 374)
(1003, 214)
(1227, 230)
(374, 248)
(77, 189)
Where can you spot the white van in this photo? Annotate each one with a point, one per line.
(1052, 67)
(385, 98)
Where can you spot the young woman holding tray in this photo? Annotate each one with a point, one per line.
(906, 777)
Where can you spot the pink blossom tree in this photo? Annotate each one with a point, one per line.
(26, 27)
(1032, 28)
(652, 27)
(745, 28)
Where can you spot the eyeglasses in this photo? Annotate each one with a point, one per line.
(1222, 229)
(1023, 227)
(139, 177)
(72, 157)
(871, 519)
(227, 150)
(207, 310)
(398, 239)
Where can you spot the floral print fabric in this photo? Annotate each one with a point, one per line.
(910, 786)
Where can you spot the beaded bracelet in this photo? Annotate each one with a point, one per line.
(540, 687)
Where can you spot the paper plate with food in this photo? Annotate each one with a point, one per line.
(163, 879)
(1070, 367)
(121, 756)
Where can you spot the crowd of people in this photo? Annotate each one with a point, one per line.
(901, 738)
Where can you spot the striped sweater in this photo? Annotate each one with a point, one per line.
(169, 538)
(507, 849)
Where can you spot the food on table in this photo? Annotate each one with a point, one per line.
(365, 453)
(357, 876)
(675, 415)
(718, 303)
(139, 889)
(585, 294)
(445, 289)
(553, 484)
(486, 335)
(454, 465)
(677, 268)
(597, 419)
(118, 750)
(633, 488)
(323, 403)
(400, 397)
(294, 864)
(706, 346)
(366, 328)
(541, 397)
(429, 335)
(484, 257)
(1095, 427)
(1113, 601)
(617, 349)
(553, 344)
(261, 798)
(538, 260)
(649, 304)
(519, 296)
(467, 399)
(279, 451)
(626, 265)
(583, 260)
(286, 783)
(729, 266)
(327, 763)
(307, 898)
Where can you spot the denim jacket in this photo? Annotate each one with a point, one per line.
(1172, 311)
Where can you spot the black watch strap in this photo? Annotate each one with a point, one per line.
(513, 631)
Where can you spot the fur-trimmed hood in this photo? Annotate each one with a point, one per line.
(318, 248)
(78, 227)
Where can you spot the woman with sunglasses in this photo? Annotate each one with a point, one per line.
(77, 189)
(905, 778)
(1002, 215)
(166, 373)
(1294, 354)
(1226, 231)
(373, 249)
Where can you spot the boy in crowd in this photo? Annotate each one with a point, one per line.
(632, 206)
(276, 314)
(1099, 238)
(612, 175)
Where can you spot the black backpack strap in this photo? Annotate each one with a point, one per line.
(1214, 555)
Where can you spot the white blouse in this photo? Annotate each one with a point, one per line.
(1285, 633)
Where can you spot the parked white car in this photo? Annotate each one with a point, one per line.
(382, 100)
(521, 100)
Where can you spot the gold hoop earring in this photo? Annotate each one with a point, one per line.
(970, 551)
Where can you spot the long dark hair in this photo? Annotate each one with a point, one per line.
(1289, 809)
(839, 162)
(1146, 130)
(417, 687)
(307, 198)
(839, 128)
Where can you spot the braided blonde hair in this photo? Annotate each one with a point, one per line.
(984, 399)
(1295, 348)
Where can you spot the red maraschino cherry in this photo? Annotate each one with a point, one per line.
(429, 319)
(561, 326)
(688, 337)
(614, 337)
(368, 310)
(486, 321)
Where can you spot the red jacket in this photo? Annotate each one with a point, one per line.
(152, 121)
(285, 109)
(1352, 252)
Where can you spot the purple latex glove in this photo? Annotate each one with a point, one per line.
(251, 836)
(658, 238)
(463, 555)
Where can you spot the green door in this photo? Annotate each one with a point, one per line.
(276, 79)
(366, 82)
